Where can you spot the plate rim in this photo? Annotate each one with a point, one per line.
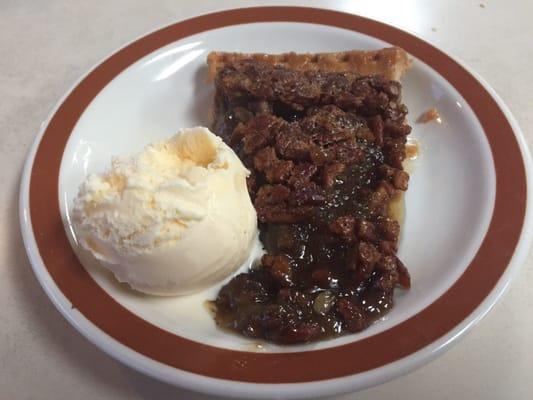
(197, 382)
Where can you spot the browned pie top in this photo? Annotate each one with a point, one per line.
(391, 62)
(325, 152)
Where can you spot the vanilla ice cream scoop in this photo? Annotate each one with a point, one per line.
(171, 220)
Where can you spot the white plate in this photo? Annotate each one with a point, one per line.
(449, 206)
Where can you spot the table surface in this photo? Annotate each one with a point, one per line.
(46, 46)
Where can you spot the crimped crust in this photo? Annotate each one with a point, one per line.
(391, 62)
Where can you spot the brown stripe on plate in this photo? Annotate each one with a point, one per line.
(401, 340)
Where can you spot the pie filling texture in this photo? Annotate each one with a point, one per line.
(325, 148)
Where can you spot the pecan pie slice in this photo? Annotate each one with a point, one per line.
(324, 138)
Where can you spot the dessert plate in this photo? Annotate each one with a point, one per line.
(467, 223)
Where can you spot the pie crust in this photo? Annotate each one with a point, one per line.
(391, 62)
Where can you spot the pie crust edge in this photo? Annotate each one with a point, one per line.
(391, 62)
